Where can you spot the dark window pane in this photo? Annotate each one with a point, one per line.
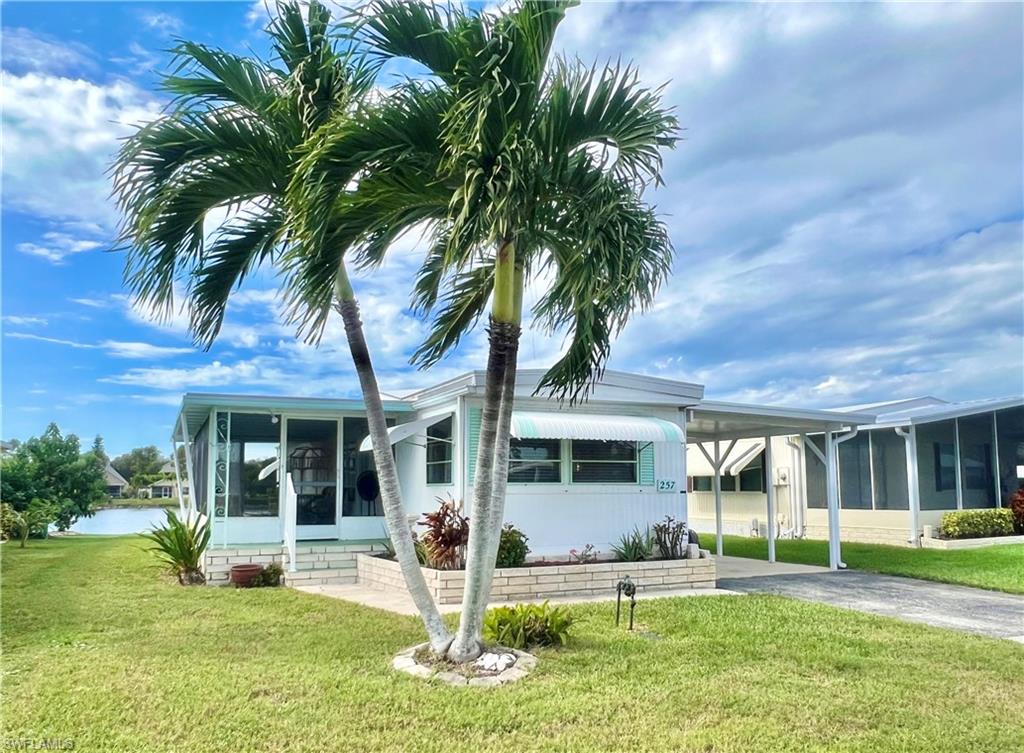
(855, 473)
(703, 483)
(976, 462)
(728, 483)
(817, 487)
(439, 452)
(751, 478)
(616, 473)
(587, 449)
(889, 455)
(533, 472)
(535, 449)
(936, 466)
(1010, 430)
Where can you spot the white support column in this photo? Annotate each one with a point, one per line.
(832, 494)
(192, 481)
(956, 457)
(769, 487)
(836, 441)
(716, 464)
(177, 479)
(995, 460)
(913, 490)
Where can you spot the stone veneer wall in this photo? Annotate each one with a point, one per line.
(514, 583)
(861, 534)
(326, 563)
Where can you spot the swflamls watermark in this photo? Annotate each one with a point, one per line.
(39, 743)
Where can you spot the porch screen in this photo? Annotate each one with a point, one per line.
(200, 466)
(255, 442)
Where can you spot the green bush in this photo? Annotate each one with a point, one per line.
(975, 524)
(526, 625)
(635, 546)
(512, 548)
(270, 576)
(180, 545)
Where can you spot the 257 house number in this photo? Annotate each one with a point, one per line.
(666, 485)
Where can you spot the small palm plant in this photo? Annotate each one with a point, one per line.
(180, 545)
(34, 519)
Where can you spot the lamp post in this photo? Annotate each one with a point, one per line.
(625, 587)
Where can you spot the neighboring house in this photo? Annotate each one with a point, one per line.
(163, 489)
(115, 482)
(6, 448)
(639, 449)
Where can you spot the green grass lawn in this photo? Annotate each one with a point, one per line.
(999, 568)
(100, 648)
(138, 502)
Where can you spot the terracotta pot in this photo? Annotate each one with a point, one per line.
(242, 576)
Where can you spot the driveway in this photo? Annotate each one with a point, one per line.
(974, 610)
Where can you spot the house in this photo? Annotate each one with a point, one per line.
(583, 474)
(115, 482)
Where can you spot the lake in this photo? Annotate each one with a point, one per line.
(121, 520)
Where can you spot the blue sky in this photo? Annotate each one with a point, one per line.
(846, 210)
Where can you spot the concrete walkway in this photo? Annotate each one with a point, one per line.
(401, 603)
(974, 610)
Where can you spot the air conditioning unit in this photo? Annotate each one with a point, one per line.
(781, 476)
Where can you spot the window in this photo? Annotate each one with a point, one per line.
(945, 466)
(889, 455)
(439, 452)
(855, 473)
(751, 478)
(595, 461)
(535, 461)
(976, 461)
(817, 483)
(707, 483)
(254, 445)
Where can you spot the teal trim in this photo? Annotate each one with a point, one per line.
(473, 418)
(647, 463)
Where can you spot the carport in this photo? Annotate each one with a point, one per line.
(720, 428)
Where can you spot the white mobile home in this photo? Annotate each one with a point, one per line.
(282, 476)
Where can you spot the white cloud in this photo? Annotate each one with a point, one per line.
(55, 247)
(113, 348)
(25, 321)
(93, 303)
(26, 51)
(163, 23)
(60, 135)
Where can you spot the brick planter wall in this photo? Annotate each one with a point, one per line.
(516, 583)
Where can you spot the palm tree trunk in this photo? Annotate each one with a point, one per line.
(503, 335)
(390, 492)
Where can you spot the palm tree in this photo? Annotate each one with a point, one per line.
(521, 168)
(231, 138)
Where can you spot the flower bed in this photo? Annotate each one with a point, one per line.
(548, 580)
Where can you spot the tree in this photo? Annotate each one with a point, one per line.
(139, 463)
(232, 138)
(50, 472)
(100, 452)
(521, 168)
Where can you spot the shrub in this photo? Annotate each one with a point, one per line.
(526, 625)
(974, 524)
(635, 546)
(584, 555)
(444, 542)
(32, 521)
(180, 545)
(671, 537)
(1015, 503)
(271, 576)
(512, 548)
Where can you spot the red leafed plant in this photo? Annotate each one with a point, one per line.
(445, 538)
(1016, 505)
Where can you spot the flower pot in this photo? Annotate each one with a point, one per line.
(242, 576)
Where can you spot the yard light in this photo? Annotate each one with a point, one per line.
(628, 588)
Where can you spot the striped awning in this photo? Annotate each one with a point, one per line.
(404, 431)
(537, 425)
(742, 454)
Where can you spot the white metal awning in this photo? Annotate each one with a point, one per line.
(744, 451)
(404, 431)
(565, 425)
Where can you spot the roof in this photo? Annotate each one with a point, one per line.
(924, 414)
(112, 477)
(714, 419)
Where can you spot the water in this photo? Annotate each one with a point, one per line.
(121, 520)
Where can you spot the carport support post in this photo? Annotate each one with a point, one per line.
(913, 489)
(718, 499)
(769, 484)
(832, 493)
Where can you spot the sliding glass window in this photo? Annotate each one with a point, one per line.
(255, 440)
(977, 461)
(889, 459)
(936, 465)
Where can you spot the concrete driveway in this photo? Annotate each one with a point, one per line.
(974, 610)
